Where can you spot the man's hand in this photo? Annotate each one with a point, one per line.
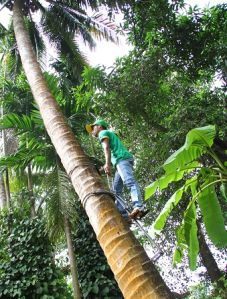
(107, 169)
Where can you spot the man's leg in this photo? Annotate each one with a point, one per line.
(117, 188)
(125, 170)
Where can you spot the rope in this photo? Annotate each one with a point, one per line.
(80, 165)
(94, 193)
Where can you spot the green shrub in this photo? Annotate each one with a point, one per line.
(95, 276)
(27, 268)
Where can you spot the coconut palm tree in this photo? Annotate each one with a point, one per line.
(133, 270)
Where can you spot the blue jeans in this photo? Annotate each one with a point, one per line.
(124, 176)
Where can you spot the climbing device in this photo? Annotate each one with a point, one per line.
(135, 221)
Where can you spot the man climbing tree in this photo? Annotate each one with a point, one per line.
(116, 153)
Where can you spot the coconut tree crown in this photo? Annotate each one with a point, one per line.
(62, 22)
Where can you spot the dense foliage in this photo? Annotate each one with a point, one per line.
(27, 268)
(186, 165)
(95, 276)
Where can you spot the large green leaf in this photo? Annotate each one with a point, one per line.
(187, 233)
(212, 216)
(171, 203)
(190, 231)
(187, 238)
(165, 180)
(197, 141)
(180, 245)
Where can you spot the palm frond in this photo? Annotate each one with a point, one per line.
(64, 31)
(10, 59)
(20, 123)
(53, 209)
(66, 46)
(36, 117)
(44, 162)
(16, 95)
(68, 78)
(78, 22)
(103, 28)
(35, 37)
(98, 23)
(67, 194)
(53, 85)
(24, 155)
(59, 203)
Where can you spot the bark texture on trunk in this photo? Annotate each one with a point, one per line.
(134, 271)
(72, 259)
(3, 199)
(7, 188)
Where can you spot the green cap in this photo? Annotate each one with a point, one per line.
(98, 122)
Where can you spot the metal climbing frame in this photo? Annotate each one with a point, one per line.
(157, 255)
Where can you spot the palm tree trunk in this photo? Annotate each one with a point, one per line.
(72, 259)
(3, 200)
(7, 188)
(134, 271)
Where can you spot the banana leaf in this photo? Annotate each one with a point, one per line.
(169, 206)
(197, 142)
(165, 180)
(190, 231)
(212, 215)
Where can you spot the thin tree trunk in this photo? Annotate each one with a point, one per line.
(30, 192)
(3, 200)
(72, 259)
(134, 271)
(207, 257)
(7, 188)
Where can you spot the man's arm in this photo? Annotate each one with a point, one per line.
(107, 153)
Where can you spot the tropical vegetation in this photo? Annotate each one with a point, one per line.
(165, 99)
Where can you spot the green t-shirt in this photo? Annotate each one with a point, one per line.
(118, 151)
